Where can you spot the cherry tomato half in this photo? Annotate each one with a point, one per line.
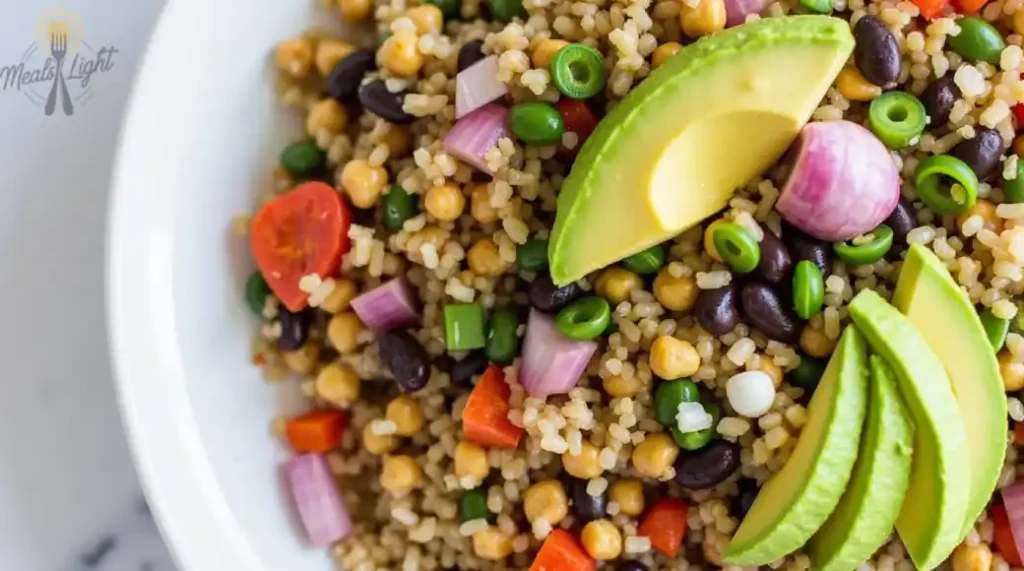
(1002, 535)
(577, 117)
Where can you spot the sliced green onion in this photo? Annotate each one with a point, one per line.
(1013, 189)
(533, 255)
(897, 118)
(256, 292)
(867, 253)
(940, 196)
(647, 261)
(584, 319)
(398, 206)
(808, 289)
(578, 71)
(464, 326)
(473, 505)
(996, 329)
(502, 336)
(737, 247)
(817, 6)
(303, 159)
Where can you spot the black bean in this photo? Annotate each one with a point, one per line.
(465, 371)
(775, 261)
(376, 98)
(406, 359)
(717, 309)
(745, 498)
(981, 152)
(294, 329)
(938, 99)
(803, 247)
(902, 220)
(549, 298)
(343, 81)
(877, 54)
(470, 53)
(631, 566)
(585, 507)
(763, 308)
(708, 466)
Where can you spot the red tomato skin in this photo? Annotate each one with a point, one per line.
(577, 117)
(1018, 114)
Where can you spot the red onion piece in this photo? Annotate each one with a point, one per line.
(317, 500)
(478, 85)
(736, 11)
(387, 306)
(843, 182)
(552, 363)
(1013, 498)
(472, 135)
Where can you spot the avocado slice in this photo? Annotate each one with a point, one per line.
(795, 501)
(672, 152)
(867, 511)
(934, 303)
(932, 515)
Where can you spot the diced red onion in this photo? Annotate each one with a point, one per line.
(1013, 498)
(478, 85)
(387, 306)
(472, 135)
(736, 11)
(317, 500)
(843, 182)
(552, 363)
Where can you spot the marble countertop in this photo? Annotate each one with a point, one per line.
(69, 495)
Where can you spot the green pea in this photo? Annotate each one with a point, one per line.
(667, 399)
(612, 328)
(817, 6)
(1013, 189)
(737, 247)
(451, 9)
(700, 438)
(303, 159)
(647, 261)
(978, 40)
(536, 123)
(584, 319)
(533, 255)
(473, 505)
(869, 252)
(897, 118)
(933, 189)
(808, 373)
(256, 292)
(996, 329)
(398, 206)
(808, 289)
(502, 337)
(505, 10)
(464, 326)
(577, 70)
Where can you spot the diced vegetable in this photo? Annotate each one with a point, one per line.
(473, 505)
(1013, 499)
(1003, 536)
(868, 252)
(584, 319)
(485, 418)
(562, 552)
(552, 363)
(387, 306)
(317, 431)
(464, 326)
(933, 175)
(478, 85)
(577, 70)
(475, 133)
(1018, 434)
(317, 501)
(503, 336)
(736, 11)
(578, 118)
(737, 247)
(303, 231)
(256, 292)
(665, 525)
(897, 118)
(931, 9)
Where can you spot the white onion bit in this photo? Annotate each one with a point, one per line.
(692, 417)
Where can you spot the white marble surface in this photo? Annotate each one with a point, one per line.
(69, 498)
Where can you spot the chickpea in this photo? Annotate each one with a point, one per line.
(1012, 372)
(987, 211)
(1018, 22)
(294, 57)
(337, 383)
(407, 415)
(774, 371)
(544, 52)
(655, 454)
(343, 331)
(378, 444)
(972, 558)
(401, 55)
(815, 343)
(480, 205)
(709, 242)
(445, 202)
(706, 18)
(427, 17)
(663, 52)
(491, 544)
(354, 9)
(484, 259)
(585, 464)
(546, 499)
(677, 294)
(471, 461)
(363, 182)
(400, 474)
(397, 139)
(326, 115)
(615, 283)
(602, 540)
(302, 360)
(1018, 143)
(853, 86)
(329, 52)
(618, 387)
(629, 494)
(339, 298)
(673, 358)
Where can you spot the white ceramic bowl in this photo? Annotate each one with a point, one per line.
(200, 140)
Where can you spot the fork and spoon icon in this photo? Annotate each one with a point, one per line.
(59, 49)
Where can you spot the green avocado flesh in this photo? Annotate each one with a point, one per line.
(867, 511)
(931, 518)
(947, 320)
(712, 117)
(795, 502)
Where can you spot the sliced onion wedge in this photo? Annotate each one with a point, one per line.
(475, 133)
(478, 85)
(317, 500)
(387, 306)
(736, 11)
(1013, 498)
(552, 363)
